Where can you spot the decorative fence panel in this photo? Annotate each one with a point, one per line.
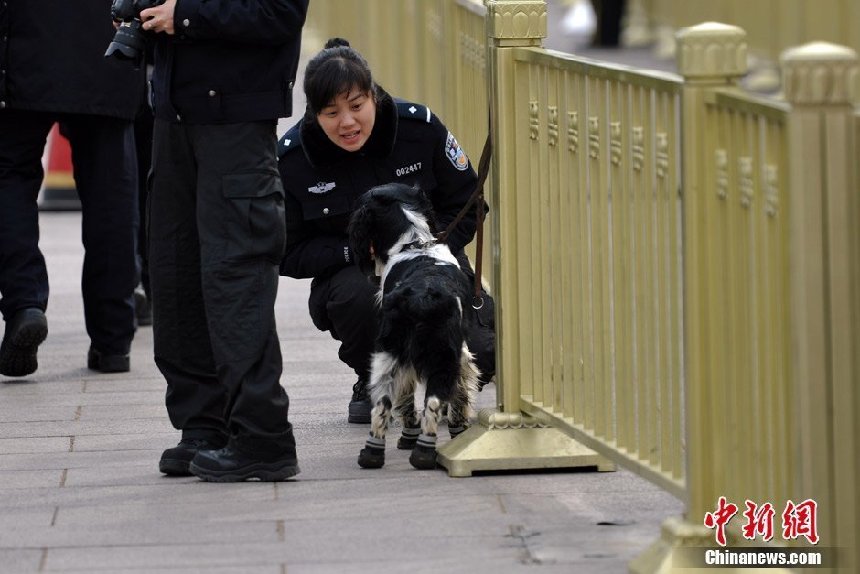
(597, 203)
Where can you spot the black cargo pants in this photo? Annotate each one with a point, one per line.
(216, 237)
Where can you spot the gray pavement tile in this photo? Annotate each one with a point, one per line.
(80, 428)
(29, 517)
(75, 459)
(38, 385)
(124, 412)
(344, 545)
(157, 440)
(79, 398)
(188, 490)
(152, 532)
(14, 479)
(25, 411)
(430, 564)
(21, 560)
(28, 445)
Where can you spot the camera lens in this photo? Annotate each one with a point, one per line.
(128, 42)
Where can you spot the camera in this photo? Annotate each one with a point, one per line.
(128, 43)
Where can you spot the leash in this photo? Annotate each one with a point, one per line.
(477, 196)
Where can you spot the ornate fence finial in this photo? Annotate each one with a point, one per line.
(712, 50)
(517, 22)
(820, 73)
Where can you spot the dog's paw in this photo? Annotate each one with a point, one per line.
(371, 457)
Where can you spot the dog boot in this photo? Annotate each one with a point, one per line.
(423, 456)
(373, 453)
(408, 439)
(456, 431)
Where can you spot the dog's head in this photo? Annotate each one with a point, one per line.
(388, 218)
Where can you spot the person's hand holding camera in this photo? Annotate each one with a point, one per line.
(159, 18)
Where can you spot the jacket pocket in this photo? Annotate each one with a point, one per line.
(254, 225)
(326, 207)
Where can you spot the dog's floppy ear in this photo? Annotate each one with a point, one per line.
(360, 242)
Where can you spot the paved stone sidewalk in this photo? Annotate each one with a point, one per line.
(80, 489)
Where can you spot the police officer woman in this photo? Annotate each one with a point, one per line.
(352, 137)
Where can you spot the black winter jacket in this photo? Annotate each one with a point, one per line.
(229, 61)
(52, 60)
(322, 181)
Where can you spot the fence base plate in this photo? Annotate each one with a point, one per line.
(519, 445)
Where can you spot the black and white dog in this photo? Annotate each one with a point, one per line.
(421, 343)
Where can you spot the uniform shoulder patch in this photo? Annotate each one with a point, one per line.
(289, 140)
(414, 111)
(455, 153)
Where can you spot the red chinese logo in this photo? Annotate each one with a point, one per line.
(720, 517)
(759, 521)
(797, 520)
(800, 520)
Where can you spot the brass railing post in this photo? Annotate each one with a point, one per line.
(710, 55)
(819, 82)
(507, 439)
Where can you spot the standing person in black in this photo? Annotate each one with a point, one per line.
(53, 69)
(352, 137)
(223, 75)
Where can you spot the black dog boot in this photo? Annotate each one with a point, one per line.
(408, 439)
(457, 431)
(373, 453)
(423, 456)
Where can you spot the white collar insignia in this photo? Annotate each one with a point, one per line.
(322, 187)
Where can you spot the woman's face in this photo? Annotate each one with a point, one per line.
(348, 119)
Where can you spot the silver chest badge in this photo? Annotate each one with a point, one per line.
(322, 187)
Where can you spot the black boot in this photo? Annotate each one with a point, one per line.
(174, 461)
(105, 363)
(24, 333)
(230, 465)
(142, 307)
(359, 406)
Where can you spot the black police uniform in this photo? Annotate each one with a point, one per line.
(216, 222)
(322, 181)
(53, 69)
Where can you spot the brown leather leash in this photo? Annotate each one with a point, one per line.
(477, 196)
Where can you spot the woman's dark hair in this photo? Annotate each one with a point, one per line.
(336, 69)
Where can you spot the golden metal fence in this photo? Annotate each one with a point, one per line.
(676, 264)
(771, 25)
(593, 215)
